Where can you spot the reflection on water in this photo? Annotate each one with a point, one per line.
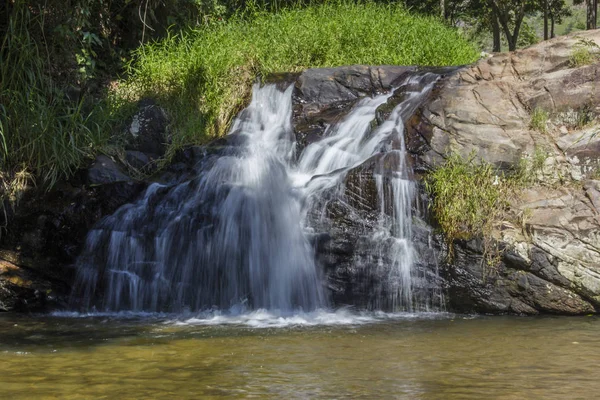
(391, 356)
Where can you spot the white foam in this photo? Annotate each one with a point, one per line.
(264, 318)
(273, 319)
(111, 314)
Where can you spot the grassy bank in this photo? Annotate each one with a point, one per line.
(203, 77)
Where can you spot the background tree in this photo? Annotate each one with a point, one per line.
(510, 15)
(592, 12)
(557, 11)
(553, 11)
(484, 19)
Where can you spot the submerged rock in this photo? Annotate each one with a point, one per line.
(23, 290)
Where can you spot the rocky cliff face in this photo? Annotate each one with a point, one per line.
(550, 236)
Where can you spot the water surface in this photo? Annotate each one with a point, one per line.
(339, 355)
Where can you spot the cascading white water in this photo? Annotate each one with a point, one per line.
(235, 235)
(351, 143)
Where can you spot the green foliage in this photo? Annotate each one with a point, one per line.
(539, 120)
(527, 36)
(585, 52)
(204, 76)
(468, 199)
(40, 127)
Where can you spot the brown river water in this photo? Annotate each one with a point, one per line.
(327, 356)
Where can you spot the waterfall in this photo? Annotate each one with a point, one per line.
(237, 234)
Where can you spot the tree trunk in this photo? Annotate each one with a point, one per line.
(552, 35)
(545, 5)
(592, 7)
(496, 32)
(504, 17)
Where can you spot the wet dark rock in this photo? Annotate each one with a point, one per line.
(139, 161)
(45, 235)
(104, 170)
(345, 220)
(148, 130)
(325, 95)
(23, 290)
(325, 86)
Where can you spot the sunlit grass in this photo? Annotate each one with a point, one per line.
(203, 77)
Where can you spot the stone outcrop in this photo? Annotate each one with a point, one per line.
(486, 108)
(551, 239)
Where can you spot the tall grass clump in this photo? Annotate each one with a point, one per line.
(469, 198)
(204, 76)
(585, 52)
(41, 129)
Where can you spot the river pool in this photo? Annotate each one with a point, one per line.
(323, 355)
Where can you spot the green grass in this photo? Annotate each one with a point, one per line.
(467, 197)
(539, 120)
(585, 52)
(581, 56)
(470, 197)
(204, 77)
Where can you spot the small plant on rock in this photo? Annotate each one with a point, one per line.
(469, 198)
(585, 52)
(539, 120)
(529, 166)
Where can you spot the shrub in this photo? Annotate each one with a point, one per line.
(585, 52)
(40, 127)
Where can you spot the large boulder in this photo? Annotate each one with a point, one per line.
(550, 236)
(549, 240)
